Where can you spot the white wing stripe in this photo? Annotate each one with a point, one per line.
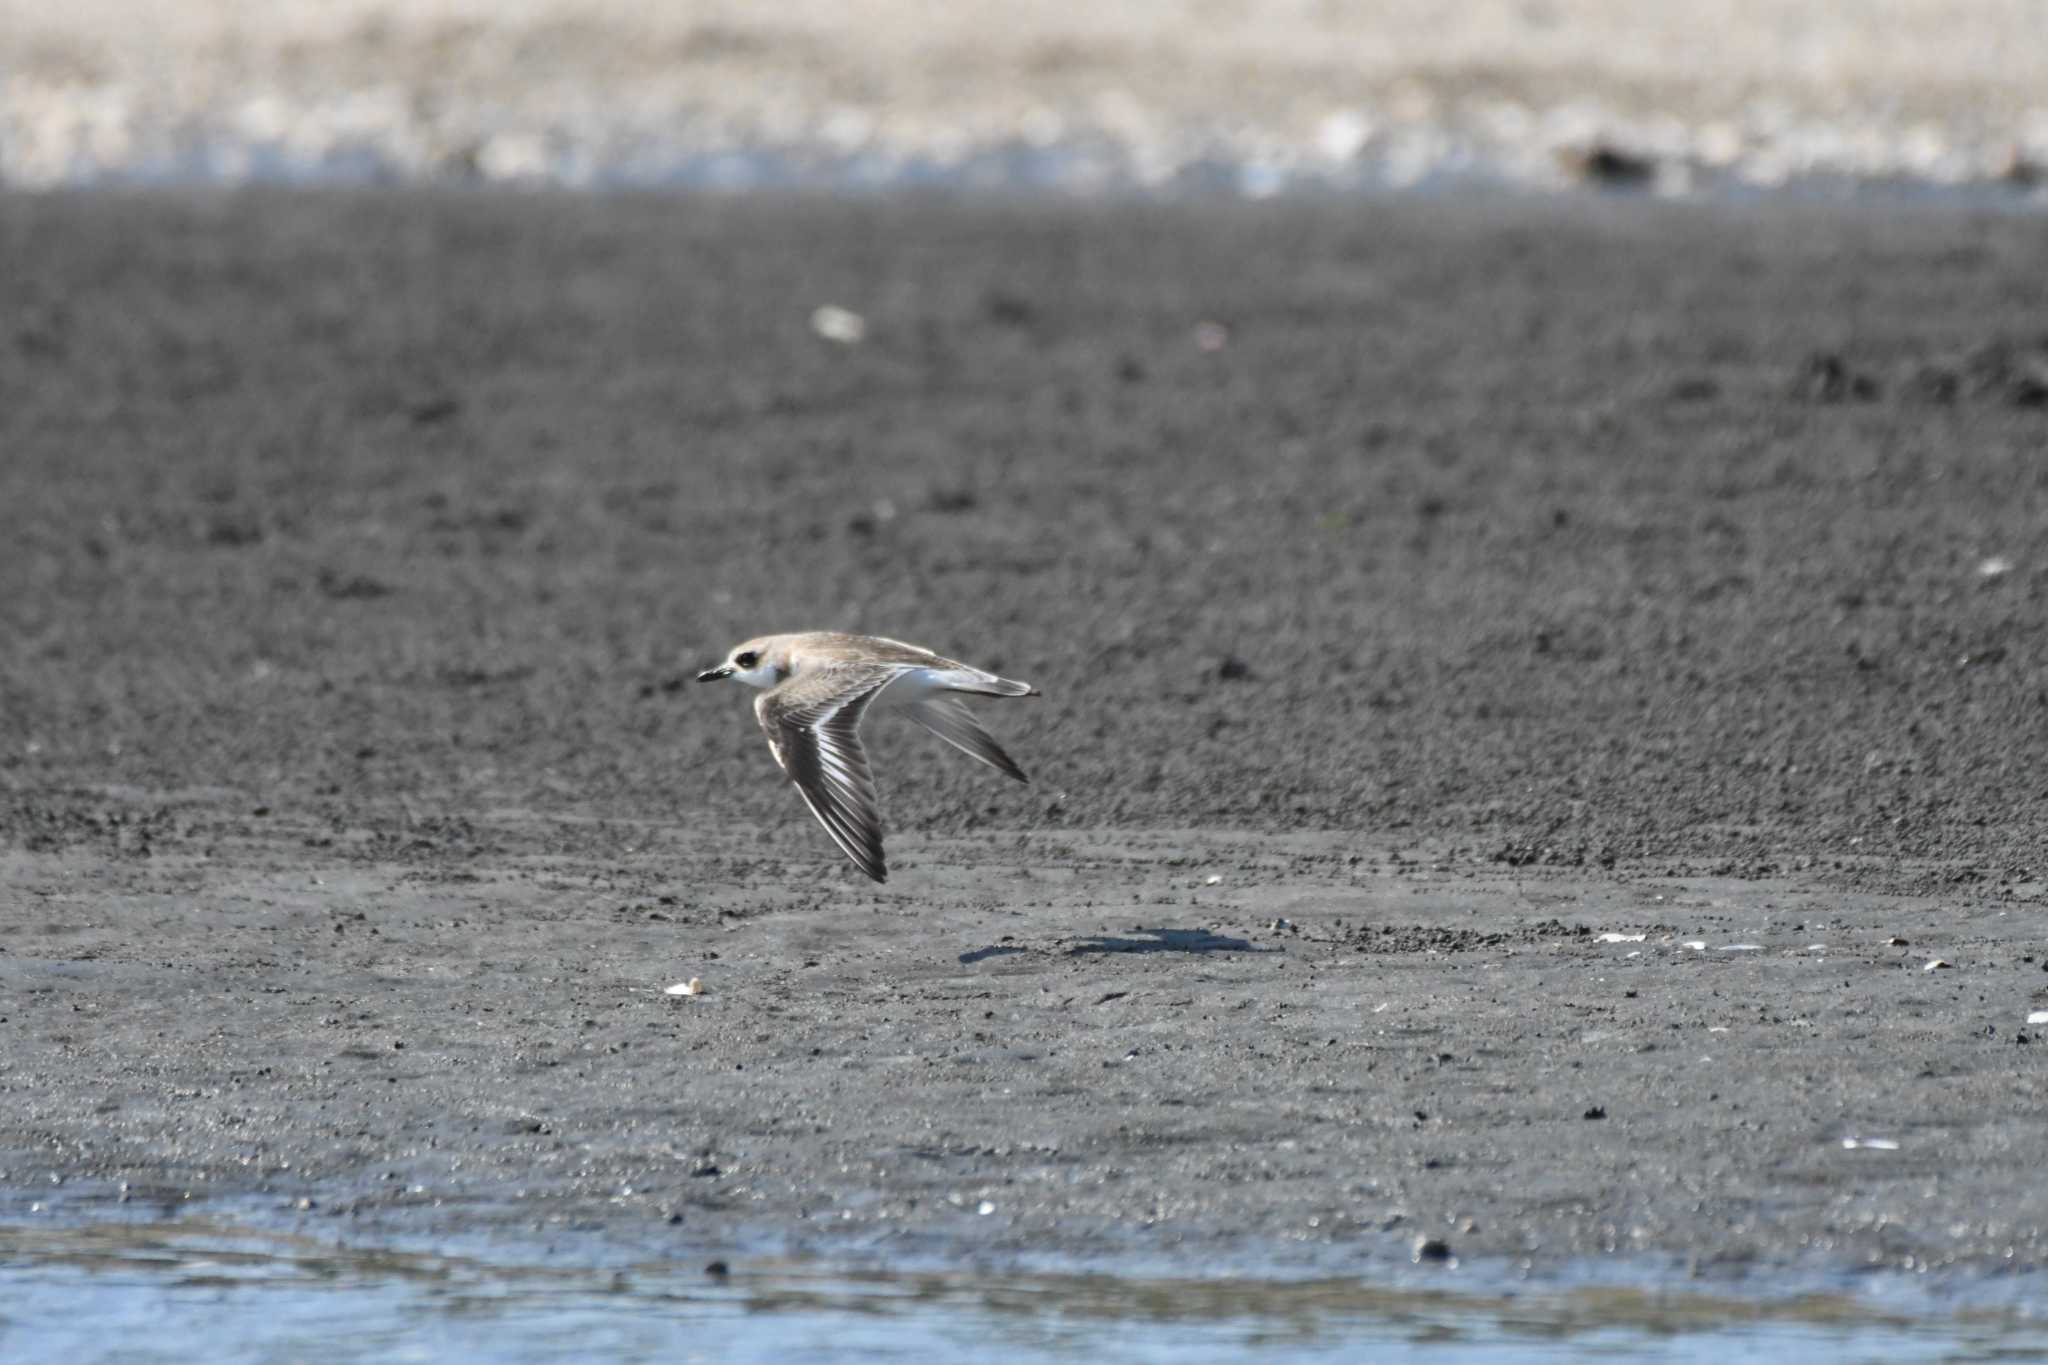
(813, 724)
(846, 842)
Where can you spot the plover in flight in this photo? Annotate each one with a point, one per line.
(817, 686)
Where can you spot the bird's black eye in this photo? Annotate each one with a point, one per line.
(746, 660)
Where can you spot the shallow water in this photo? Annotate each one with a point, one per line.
(195, 1289)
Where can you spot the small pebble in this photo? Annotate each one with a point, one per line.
(842, 325)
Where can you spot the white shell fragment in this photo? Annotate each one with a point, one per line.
(1213, 879)
(1612, 937)
(1698, 945)
(842, 325)
(1995, 566)
(691, 987)
(1850, 1144)
(1937, 964)
(2038, 1017)
(1742, 947)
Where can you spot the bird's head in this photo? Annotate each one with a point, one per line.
(763, 662)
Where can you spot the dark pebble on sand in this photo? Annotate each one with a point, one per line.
(1233, 669)
(1432, 1249)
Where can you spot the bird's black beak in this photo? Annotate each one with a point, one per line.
(714, 674)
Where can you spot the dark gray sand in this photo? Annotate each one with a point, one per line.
(1493, 575)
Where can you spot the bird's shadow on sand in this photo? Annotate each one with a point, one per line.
(1168, 941)
(1159, 941)
(984, 954)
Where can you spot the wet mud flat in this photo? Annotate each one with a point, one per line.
(1430, 597)
(1047, 1042)
(1171, 1043)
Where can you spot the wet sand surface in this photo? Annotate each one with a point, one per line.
(1421, 590)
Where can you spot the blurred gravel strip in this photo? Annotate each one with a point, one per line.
(1252, 96)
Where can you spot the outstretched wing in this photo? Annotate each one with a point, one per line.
(950, 720)
(813, 728)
